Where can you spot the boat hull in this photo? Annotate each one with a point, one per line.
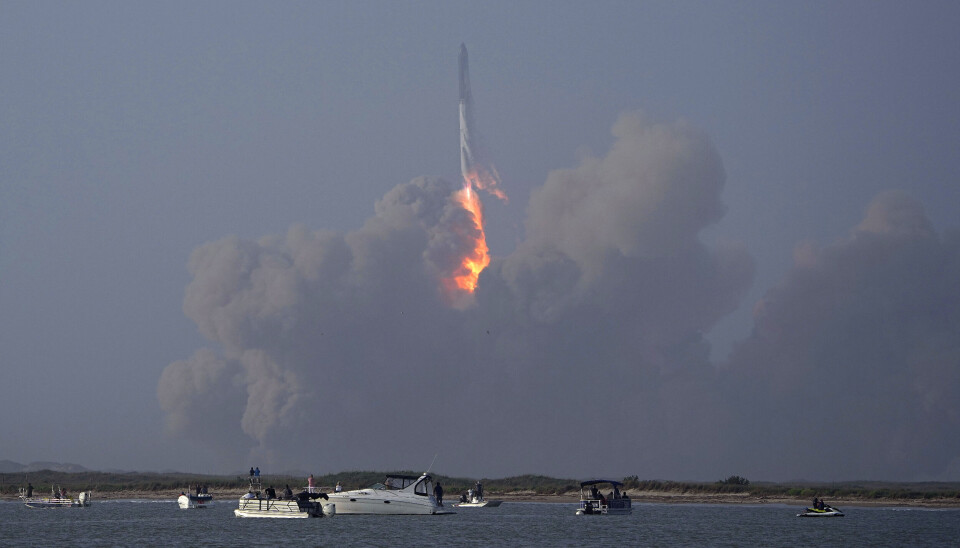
(57, 502)
(619, 507)
(479, 504)
(812, 513)
(282, 509)
(194, 501)
(372, 501)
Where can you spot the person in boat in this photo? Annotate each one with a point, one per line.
(616, 492)
(338, 488)
(271, 492)
(594, 493)
(204, 490)
(438, 492)
(479, 490)
(287, 492)
(603, 500)
(463, 497)
(29, 489)
(310, 484)
(816, 503)
(256, 472)
(251, 471)
(198, 489)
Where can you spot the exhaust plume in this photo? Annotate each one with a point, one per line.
(477, 175)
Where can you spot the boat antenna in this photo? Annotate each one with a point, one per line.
(431, 463)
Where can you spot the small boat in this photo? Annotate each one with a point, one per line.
(398, 494)
(593, 501)
(263, 504)
(194, 501)
(474, 502)
(826, 512)
(473, 498)
(57, 499)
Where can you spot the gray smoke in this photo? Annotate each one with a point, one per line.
(337, 351)
(343, 344)
(853, 368)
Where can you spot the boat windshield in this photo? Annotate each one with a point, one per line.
(424, 488)
(395, 483)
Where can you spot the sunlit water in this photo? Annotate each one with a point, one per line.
(162, 523)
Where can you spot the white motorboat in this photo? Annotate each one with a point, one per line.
(263, 504)
(474, 502)
(594, 502)
(57, 499)
(398, 494)
(473, 498)
(826, 512)
(194, 501)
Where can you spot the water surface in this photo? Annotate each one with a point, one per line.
(163, 523)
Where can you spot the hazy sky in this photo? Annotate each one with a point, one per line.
(731, 244)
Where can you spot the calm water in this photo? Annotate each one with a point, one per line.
(156, 523)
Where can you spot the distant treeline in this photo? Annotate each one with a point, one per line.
(106, 482)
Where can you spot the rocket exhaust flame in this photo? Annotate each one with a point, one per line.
(477, 175)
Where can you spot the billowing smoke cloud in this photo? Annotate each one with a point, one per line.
(590, 333)
(853, 369)
(335, 351)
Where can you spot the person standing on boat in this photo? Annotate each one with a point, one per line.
(338, 488)
(479, 490)
(29, 489)
(251, 471)
(256, 472)
(438, 492)
(310, 484)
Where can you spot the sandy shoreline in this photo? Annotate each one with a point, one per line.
(571, 498)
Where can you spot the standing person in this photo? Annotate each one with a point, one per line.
(438, 492)
(479, 490)
(338, 488)
(251, 471)
(256, 472)
(310, 484)
(29, 489)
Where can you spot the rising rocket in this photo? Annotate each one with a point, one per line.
(478, 172)
(466, 117)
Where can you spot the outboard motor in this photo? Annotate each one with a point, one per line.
(329, 509)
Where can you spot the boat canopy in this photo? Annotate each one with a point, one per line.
(598, 481)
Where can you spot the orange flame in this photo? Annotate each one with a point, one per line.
(475, 260)
(460, 284)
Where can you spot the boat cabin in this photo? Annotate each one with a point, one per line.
(421, 485)
(602, 496)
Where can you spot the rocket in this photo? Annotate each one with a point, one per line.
(477, 170)
(466, 116)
